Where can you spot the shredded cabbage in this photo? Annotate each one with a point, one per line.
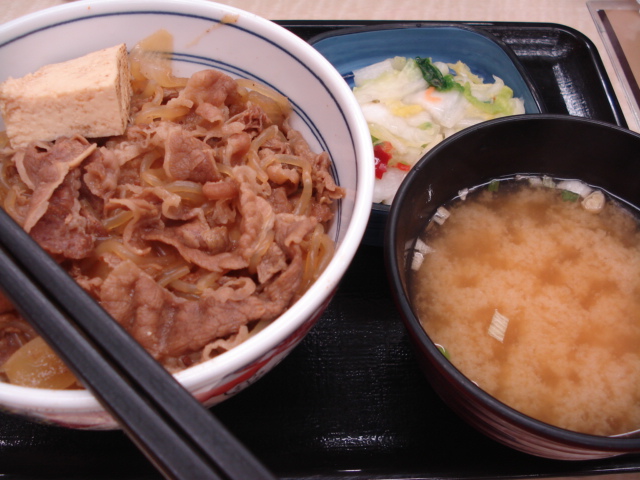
(402, 108)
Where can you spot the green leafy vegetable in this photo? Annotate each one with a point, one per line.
(494, 186)
(500, 105)
(433, 76)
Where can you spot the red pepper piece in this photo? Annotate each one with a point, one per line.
(382, 155)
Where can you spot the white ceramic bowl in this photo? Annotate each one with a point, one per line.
(210, 35)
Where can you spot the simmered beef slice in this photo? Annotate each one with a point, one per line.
(45, 170)
(67, 228)
(188, 158)
(171, 326)
(207, 87)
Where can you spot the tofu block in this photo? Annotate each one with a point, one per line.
(88, 96)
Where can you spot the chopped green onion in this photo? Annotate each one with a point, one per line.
(494, 186)
(444, 351)
(568, 196)
(425, 125)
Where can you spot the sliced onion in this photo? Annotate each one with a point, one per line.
(498, 327)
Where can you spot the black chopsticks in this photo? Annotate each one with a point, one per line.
(176, 433)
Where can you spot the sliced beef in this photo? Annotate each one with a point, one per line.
(200, 244)
(167, 325)
(67, 228)
(188, 158)
(44, 171)
(102, 171)
(215, 191)
(207, 87)
(222, 190)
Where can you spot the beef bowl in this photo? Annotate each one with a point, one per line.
(209, 181)
(512, 252)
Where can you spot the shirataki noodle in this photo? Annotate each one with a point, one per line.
(196, 228)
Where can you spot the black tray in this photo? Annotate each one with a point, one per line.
(350, 402)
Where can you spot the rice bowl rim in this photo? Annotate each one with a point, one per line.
(303, 310)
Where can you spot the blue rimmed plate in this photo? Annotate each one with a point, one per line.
(350, 49)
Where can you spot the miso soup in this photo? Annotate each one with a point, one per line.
(536, 299)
